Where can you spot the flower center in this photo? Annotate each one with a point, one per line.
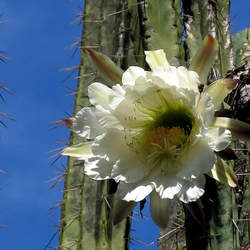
(165, 143)
(176, 116)
(163, 137)
(170, 133)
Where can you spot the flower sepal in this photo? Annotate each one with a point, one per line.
(239, 129)
(160, 209)
(223, 173)
(227, 154)
(122, 209)
(196, 210)
(106, 66)
(82, 151)
(204, 58)
(67, 122)
(219, 89)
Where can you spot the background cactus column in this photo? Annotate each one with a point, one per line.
(201, 18)
(86, 218)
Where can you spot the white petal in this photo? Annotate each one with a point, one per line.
(188, 79)
(116, 96)
(157, 60)
(97, 168)
(128, 166)
(218, 138)
(170, 77)
(160, 210)
(86, 123)
(131, 74)
(142, 83)
(130, 111)
(192, 190)
(107, 121)
(134, 192)
(205, 109)
(198, 160)
(167, 186)
(129, 169)
(110, 144)
(99, 95)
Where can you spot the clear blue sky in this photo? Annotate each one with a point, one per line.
(35, 38)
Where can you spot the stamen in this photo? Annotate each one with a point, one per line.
(163, 138)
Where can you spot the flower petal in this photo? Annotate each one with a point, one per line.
(188, 79)
(160, 210)
(134, 191)
(157, 60)
(117, 96)
(99, 95)
(167, 186)
(218, 138)
(192, 190)
(128, 165)
(198, 160)
(82, 151)
(97, 168)
(132, 74)
(86, 123)
(205, 109)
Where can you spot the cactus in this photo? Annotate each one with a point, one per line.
(239, 101)
(241, 47)
(219, 203)
(159, 26)
(123, 30)
(86, 217)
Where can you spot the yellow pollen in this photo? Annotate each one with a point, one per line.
(162, 137)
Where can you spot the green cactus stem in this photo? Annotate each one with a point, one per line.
(86, 215)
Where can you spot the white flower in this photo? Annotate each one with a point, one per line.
(153, 133)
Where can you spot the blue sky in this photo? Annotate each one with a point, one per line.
(35, 38)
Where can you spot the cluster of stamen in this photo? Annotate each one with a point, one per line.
(162, 138)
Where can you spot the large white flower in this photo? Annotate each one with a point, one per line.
(153, 133)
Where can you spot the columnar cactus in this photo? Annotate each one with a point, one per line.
(123, 30)
(86, 217)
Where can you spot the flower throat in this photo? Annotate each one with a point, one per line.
(171, 128)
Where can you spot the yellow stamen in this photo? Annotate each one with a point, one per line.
(162, 138)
